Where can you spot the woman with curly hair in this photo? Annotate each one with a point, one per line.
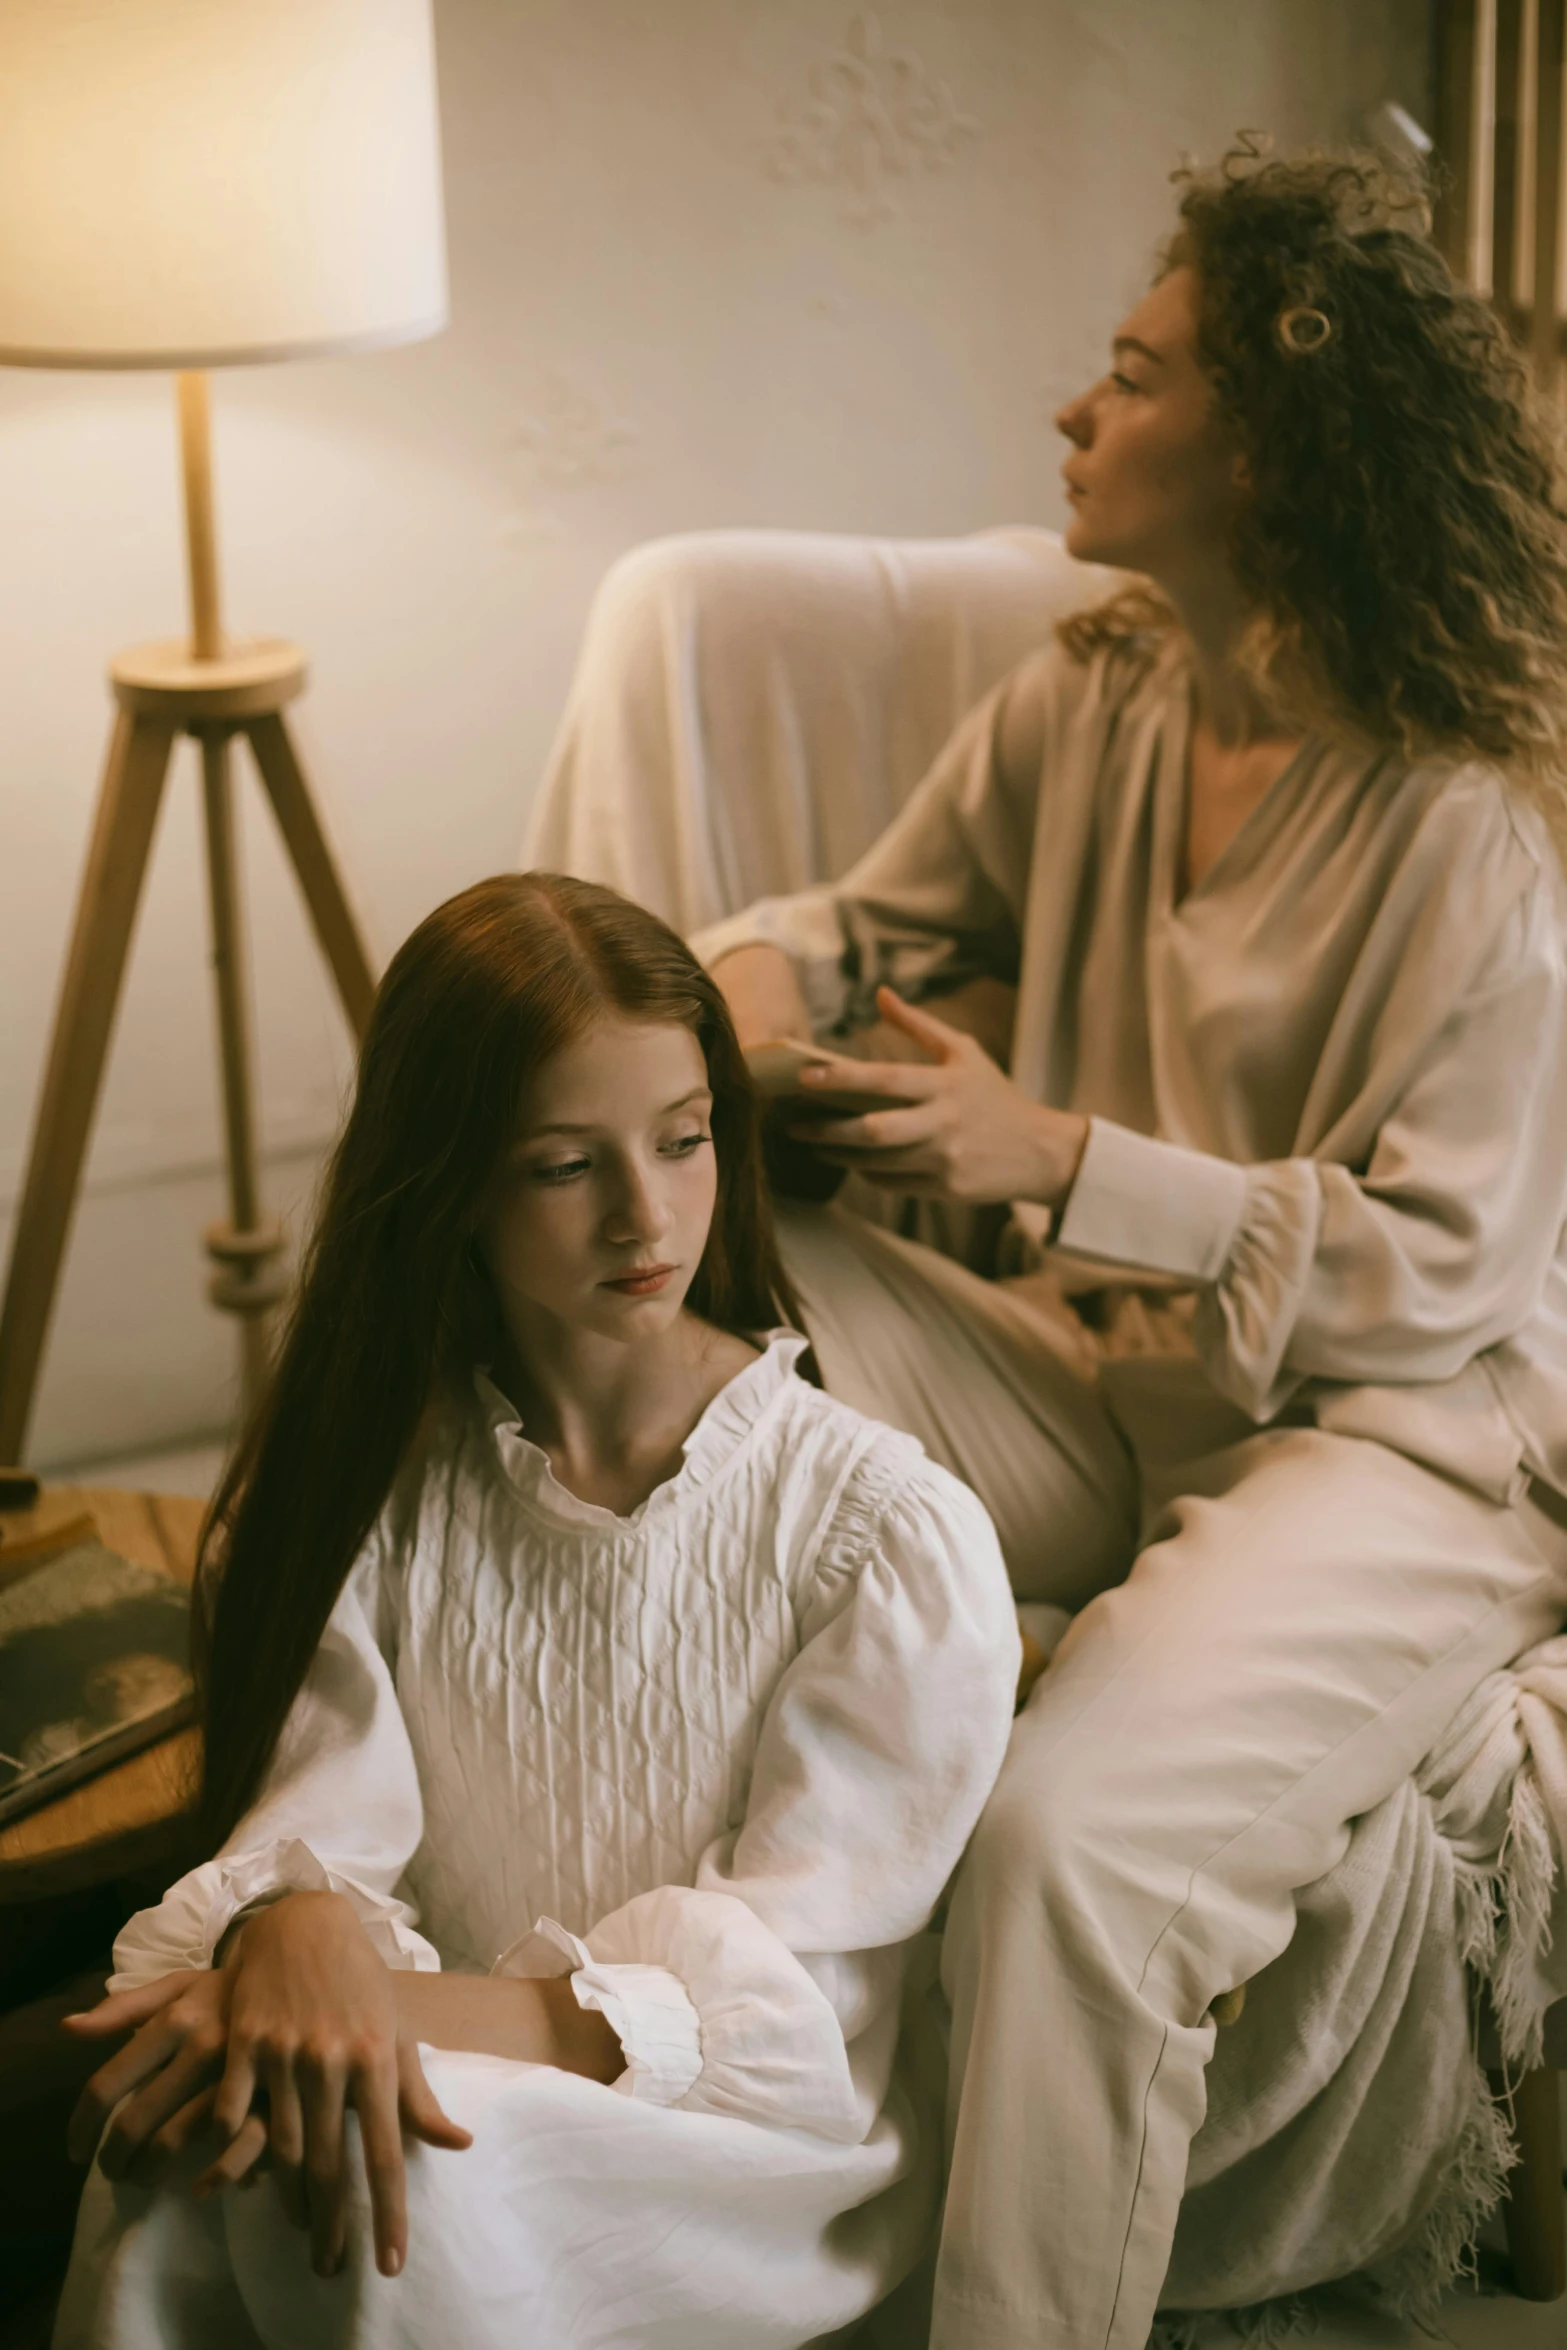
(1265, 848)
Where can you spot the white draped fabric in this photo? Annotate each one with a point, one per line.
(752, 707)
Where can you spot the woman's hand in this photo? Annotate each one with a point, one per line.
(956, 1127)
(305, 2014)
(314, 2025)
(163, 2080)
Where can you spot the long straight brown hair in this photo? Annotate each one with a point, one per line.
(393, 1308)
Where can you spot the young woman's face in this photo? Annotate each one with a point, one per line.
(1153, 476)
(601, 1211)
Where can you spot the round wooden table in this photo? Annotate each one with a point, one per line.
(129, 1817)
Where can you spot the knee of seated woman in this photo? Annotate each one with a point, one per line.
(1086, 1816)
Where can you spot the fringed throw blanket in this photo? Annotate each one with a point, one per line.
(1350, 2127)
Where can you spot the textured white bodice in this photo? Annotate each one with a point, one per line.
(584, 1692)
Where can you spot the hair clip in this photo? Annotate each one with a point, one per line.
(1304, 329)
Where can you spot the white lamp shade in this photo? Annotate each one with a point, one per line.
(194, 183)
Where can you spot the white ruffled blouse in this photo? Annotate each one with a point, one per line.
(716, 1759)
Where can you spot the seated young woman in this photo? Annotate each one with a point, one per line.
(594, 1713)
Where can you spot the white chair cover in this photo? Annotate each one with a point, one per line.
(751, 707)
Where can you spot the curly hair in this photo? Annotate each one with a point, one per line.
(1403, 544)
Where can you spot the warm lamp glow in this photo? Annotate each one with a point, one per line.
(192, 183)
(189, 184)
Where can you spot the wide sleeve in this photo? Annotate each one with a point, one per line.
(771, 1988)
(340, 1810)
(1398, 1269)
(939, 898)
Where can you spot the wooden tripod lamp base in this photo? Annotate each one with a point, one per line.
(163, 691)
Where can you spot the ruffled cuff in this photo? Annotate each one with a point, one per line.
(186, 1926)
(647, 2008)
(772, 2046)
(768, 2044)
(1153, 1205)
(1244, 1323)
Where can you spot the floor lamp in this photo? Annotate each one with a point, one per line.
(188, 184)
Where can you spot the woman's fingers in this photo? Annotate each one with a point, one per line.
(237, 2088)
(176, 2050)
(156, 2102)
(374, 2095)
(422, 2113)
(124, 2011)
(915, 1159)
(152, 2048)
(156, 2158)
(323, 2084)
(906, 1081)
(912, 1186)
(940, 1041)
(877, 1130)
(286, 2138)
(237, 2161)
(103, 2092)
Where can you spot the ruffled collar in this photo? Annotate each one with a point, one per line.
(716, 1438)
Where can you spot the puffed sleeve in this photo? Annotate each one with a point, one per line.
(1406, 1265)
(340, 1810)
(938, 899)
(771, 1988)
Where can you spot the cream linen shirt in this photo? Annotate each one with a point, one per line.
(1326, 1086)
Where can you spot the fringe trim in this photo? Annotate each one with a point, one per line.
(1504, 1923)
(1284, 2320)
(1174, 2330)
(1265, 2326)
(1521, 1890)
(1410, 2284)
(1504, 1931)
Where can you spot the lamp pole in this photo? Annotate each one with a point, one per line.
(201, 545)
(246, 1249)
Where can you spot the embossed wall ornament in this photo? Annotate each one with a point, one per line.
(565, 439)
(869, 114)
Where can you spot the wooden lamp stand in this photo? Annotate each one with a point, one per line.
(213, 691)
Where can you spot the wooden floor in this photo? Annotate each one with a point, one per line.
(182, 1468)
(1467, 2322)
(1491, 2320)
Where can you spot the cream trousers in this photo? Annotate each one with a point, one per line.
(1279, 1624)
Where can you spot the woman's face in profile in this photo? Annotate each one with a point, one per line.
(1153, 475)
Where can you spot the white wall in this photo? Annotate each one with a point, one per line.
(679, 298)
